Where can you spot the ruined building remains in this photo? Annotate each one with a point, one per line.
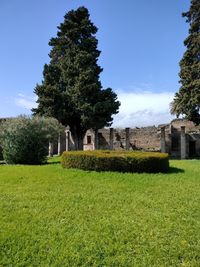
(180, 138)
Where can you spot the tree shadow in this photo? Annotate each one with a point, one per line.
(175, 170)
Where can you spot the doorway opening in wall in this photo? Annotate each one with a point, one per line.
(89, 139)
(192, 148)
(175, 143)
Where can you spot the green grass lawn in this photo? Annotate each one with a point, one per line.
(51, 216)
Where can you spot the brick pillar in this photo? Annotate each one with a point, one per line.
(162, 140)
(127, 138)
(50, 149)
(96, 141)
(59, 145)
(183, 143)
(111, 138)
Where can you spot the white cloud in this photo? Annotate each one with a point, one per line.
(26, 102)
(143, 108)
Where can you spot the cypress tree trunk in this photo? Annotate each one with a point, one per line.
(80, 143)
(78, 136)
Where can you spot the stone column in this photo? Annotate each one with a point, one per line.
(162, 140)
(50, 149)
(183, 143)
(96, 141)
(111, 138)
(67, 140)
(59, 145)
(127, 138)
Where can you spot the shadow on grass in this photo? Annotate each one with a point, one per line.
(53, 162)
(45, 163)
(175, 170)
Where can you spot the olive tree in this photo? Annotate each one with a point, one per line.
(24, 139)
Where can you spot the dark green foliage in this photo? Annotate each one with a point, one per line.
(187, 100)
(1, 153)
(116, 161)
(25, 140)
(71, 90)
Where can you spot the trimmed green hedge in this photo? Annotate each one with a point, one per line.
(121, 161)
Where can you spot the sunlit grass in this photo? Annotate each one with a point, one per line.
(51, 216)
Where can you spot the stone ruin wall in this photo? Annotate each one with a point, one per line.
(146, 138)
(192, 136)
(166, 138)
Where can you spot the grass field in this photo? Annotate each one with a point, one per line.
(51, 216)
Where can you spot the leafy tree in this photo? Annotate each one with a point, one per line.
(187, 100)
(25, 140)
(71, 90)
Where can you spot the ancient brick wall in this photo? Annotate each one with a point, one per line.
(147, 138)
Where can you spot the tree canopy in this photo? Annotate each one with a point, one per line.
(187, 100)
(71, 90)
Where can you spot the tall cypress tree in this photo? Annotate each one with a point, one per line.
(187, 100)
(71, 90)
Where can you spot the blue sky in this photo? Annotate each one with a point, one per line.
(141, 43)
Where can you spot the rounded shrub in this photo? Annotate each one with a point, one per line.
(121, 161)
(24, 140)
